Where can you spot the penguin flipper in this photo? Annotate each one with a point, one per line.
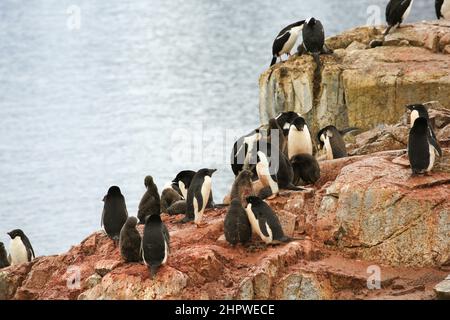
(274, 60)
(433, 140)
(343, 132)
(263, 226)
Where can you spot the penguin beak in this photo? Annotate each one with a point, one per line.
(9, 234)
(410, 107)
(211, 171)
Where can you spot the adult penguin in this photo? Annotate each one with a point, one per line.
(442, 9)
(314, 40)
(150, 202)
(396, 12)
(114, 212)
(265, 222)
(20, 249)
(275, 132)
(130, 241)
(299, 138)
(4, 262)
(421, 151)
(306, 169)
(237, 227)
(182, 182)
(419, 110)
(241, 150)
(285, 40)
(284, 120)
(198, 195)
(332, 140)
(155, 244)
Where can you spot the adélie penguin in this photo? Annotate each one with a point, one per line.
(299, 138)
(285, 40)
(419, 110)
(421, 151)
(396, 12)
(285, 119)
(332, 140)
(442, 9)
(198, 196)
(114, 212)
(155, 243)
(4, 262)
(20, 249)
(150, 202)
(265, 222)
(130, 241)
(182, 181)
(237, 227)
(314, 40)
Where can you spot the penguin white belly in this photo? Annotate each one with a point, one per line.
(328, 148)
(266, 179)
(408, 11)
(413, 117)
(166, 252)
(255, 225)
(299, 142)
(182, 189)
(18, 251)
(432, 151)
(445, 9)
(205, 191)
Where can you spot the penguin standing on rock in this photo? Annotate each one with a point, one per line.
(130, 241)
(421, 151)
(150, 201)
(306, 169)
(20, 249)
(4, 262)
(198, 196)
(396, 12)
(114, 212)
(155, 244)
(237, 227)
(332, 139)
(314, 40)
(285, 40)
(443, 9)
(419, 110)
(299, 138)
(265, 222)
(168, 197)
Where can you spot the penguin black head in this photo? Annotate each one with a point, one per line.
(419, 110)
(114, 191)
(207, 172)
(131, 222)
(311, 22)
(16, 233)
(299, 123)
(253, 200)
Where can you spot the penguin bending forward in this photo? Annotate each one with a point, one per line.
(114, 212)
(4, 261)
(182, 181)
(198, 196)
(332, 140)
(237, 227)
(150, 202)
(306, 169)
(20, 249)
(421, 151)
(155, 244)
(443, 9)
(265, 222)
(130, 241)
(285, 40)
(314, 41)
(396, 12)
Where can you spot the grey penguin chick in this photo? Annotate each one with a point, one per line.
(155, 244)
(306, 169)
(114, 212)
(237, 227)
(168, 197)
(20, 249)
(150, 201)
(265, 222)
(4, 262)
(242, 187)
(179, 207)
(130, 241)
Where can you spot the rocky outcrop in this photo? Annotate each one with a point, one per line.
(360, 86)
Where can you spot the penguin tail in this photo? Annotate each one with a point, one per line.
(348, 130)
(294, 188)
(316, 57)
(274, 60)
(152, 269)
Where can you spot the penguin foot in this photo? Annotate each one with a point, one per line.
(201, 225)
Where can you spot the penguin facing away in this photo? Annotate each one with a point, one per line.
(130, 241)
(285, 40)
(306, 169)
(314, 40)
(419, 110)
(114, 212)
(332, 140)
(299, 139)
(265, 222)
(150, 202)
(168, 197)
(421, 152)
(20, 249)
(4, 261)
(198, 196)
(155, 244)
(442, 9)
(396, 12)
(237, 227)
(179, 207)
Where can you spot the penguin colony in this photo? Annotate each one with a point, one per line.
(263, 162)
